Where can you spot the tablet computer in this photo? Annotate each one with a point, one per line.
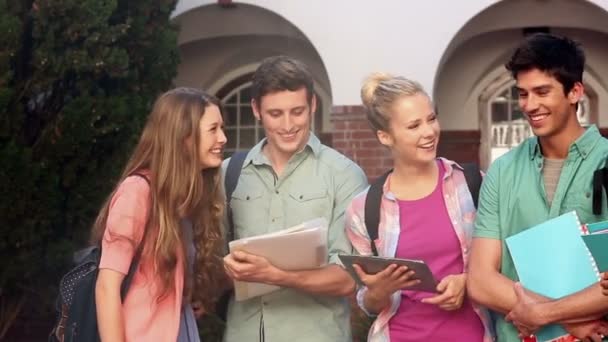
(373, 265)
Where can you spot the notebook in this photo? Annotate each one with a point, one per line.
(598, 249)
(598, 227)
(551, 259)
(298, 248)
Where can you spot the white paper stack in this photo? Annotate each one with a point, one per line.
(297, 248)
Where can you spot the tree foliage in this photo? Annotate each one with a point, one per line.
(77, 80)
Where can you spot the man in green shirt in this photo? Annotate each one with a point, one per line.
(286, 179)
(546, 176)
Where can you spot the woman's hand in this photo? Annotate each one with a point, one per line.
(451, 292)
(383, 284)
(197, 309)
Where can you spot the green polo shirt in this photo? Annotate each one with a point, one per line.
(512, 197)
(317, 182)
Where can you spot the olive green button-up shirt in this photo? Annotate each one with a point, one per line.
(317, 182)
(512, 197)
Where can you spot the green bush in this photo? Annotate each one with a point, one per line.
(77, 79)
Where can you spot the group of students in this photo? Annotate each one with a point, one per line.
(170, 200)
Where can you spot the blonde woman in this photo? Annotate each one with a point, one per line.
(426, 213)
(169, 199)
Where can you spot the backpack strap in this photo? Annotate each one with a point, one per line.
(600, 180)
(126, 283)
(231, 179)
(472, 175)
(373, 201)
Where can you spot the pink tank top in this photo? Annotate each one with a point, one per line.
(427, 234)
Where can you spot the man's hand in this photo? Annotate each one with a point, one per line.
(592, 331)
(244, 266)
(604, 283)
(451, 292)
(525, 315)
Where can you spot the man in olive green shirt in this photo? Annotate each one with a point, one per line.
(286, 179)
(546, 176)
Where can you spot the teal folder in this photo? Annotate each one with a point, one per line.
(598, 247)
(598, 227)
(551, 259)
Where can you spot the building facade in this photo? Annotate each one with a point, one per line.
(456, 49)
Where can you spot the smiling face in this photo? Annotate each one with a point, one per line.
(549, 110)
(212, 138)
(286, 117)
(414, 130)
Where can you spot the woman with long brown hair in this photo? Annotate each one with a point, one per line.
(169, 203)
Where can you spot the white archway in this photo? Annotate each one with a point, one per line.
(320, 92)
(221, 58)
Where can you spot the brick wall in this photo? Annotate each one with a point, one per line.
(461, 146)
(352, 136)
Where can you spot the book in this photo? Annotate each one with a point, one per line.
(597, 244)
(551, 259)
(297, 248)
(598, 227)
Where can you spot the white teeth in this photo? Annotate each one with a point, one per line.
(537, 117)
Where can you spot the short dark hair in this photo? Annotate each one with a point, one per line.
(561, 57)
(280, 73)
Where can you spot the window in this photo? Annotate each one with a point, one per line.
(509, 127)
(243, 131)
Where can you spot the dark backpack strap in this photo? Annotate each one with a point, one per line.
(600, 182)
(231, 179)
(472, 175)
(126, 283)
(373, 202)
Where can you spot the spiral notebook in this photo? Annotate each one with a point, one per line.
(551, 259)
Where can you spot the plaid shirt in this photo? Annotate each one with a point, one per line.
(461, 211)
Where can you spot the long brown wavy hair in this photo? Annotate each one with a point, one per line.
(179, 189)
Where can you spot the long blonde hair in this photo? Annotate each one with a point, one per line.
(179, 189)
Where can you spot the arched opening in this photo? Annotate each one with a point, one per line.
(242, 130)
(503, 123)
(221, 59)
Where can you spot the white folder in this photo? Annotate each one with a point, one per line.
(297, 248)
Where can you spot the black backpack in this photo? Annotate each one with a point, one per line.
(373, 199)
(231, 179)
(75, 305)
(600, 180)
